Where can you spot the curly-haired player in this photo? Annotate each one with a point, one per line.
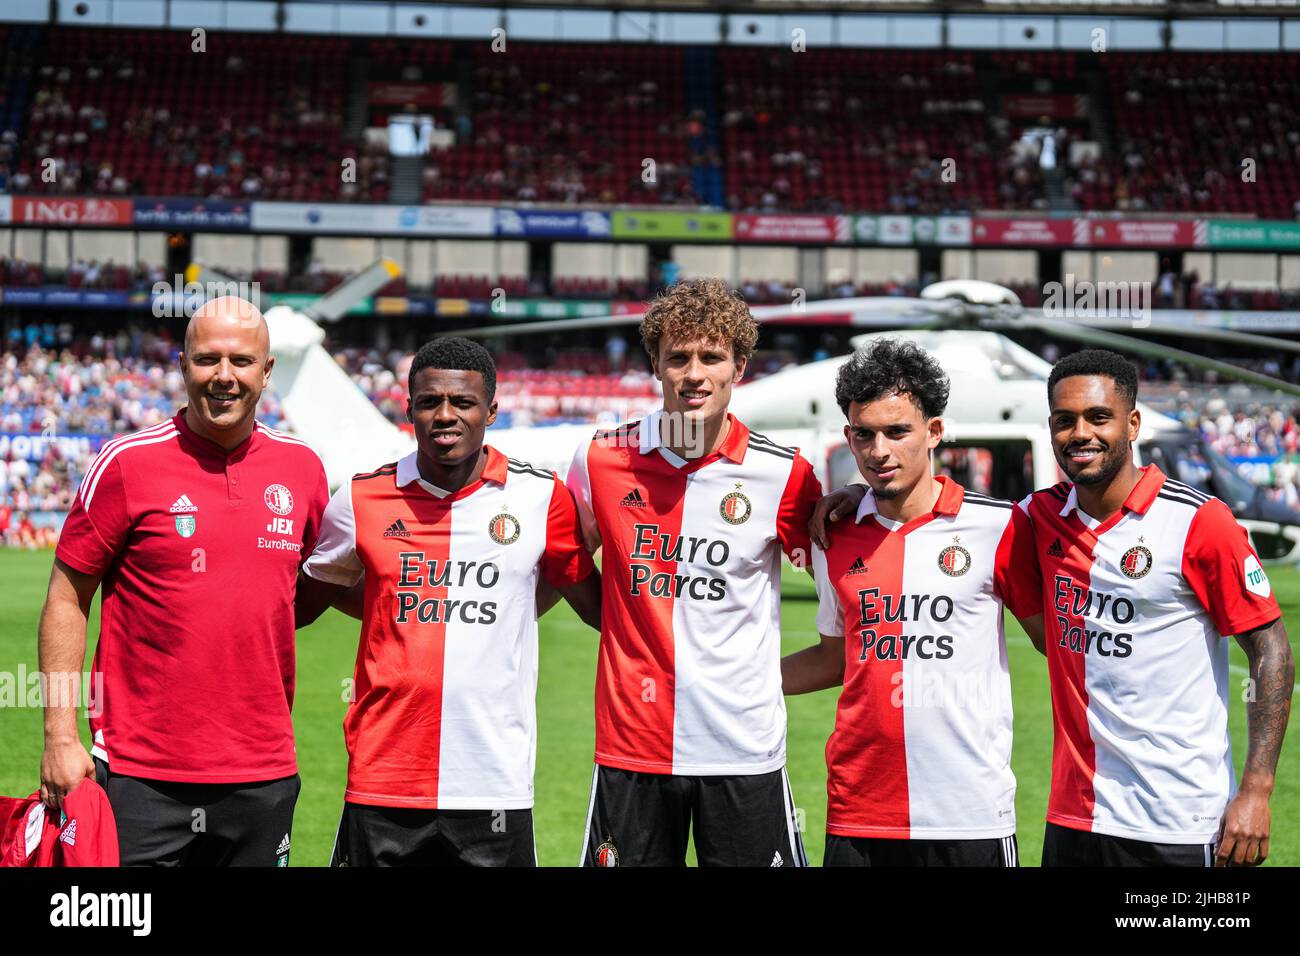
(911, 601)
(693, 510)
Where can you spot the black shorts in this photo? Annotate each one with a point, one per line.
(1064, 846)
(404, 836)
(644, 819)
(869, 851)
(160, 823)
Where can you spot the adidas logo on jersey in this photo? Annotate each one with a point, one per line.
(284, 845)
(183, 505)
(1055, 550)
(69, 834)
(776, 859)
(857, 567)
(397, 530)
(633, 499)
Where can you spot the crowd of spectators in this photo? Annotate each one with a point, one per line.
(540, 130)
(1254, 431)
(1195, 134)
(105, 123)
(56, 385)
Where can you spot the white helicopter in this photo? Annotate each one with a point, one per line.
(998, 402)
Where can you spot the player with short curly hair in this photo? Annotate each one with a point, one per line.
(693, 510)
(891, 365)
(911, 598)
(700, 308)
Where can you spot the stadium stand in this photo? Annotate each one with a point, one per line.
(856, 129)
(570, 123)
(1185, 122)
(122, 112)
(745, 128)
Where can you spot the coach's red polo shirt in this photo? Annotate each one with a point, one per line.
(199, 551)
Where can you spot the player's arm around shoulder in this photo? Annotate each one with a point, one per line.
(832, 507)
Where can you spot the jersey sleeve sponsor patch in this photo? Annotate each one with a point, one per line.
(1256, 579)
(1224, 572)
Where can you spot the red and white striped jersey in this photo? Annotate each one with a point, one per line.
(1135, 608)
(444, 707)
(689, 676)
(922, 740)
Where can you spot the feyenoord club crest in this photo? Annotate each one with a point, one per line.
(954, 560)
(1136, 562)
(735, 507)
(606, 854)
(186, 525)
(278, 499)
(504, 529)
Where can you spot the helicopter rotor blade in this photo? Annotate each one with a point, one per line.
(1031, 318)
(1126, 343)
(887, 312)
(336, 303)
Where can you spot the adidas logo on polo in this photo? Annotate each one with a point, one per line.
(857, 567)
(69, 834)
(776, 859)
(633, 499)
(284, 845)
(183, 505)
(397, 530)
(1055, 550)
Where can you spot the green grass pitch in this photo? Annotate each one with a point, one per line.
(565, 723)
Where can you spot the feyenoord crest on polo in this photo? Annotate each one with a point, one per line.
(1136, 562)
(278, 499)
(504, 528)
(735, 507)
(954, 560)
